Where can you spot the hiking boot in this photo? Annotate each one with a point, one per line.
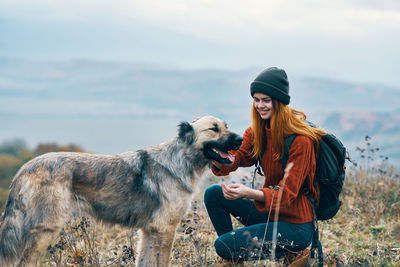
(298, 259)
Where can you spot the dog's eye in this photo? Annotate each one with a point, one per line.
(215, 129)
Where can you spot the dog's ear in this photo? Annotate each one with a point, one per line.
(186, 132)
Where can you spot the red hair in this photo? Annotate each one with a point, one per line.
(284, 121)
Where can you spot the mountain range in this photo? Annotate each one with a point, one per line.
(111, 107)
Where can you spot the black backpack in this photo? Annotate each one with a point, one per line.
(329, 173)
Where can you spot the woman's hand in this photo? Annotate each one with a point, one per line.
(235, 191)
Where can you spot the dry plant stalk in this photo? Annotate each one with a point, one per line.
(275, 230)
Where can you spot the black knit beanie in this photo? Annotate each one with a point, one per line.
(272, 82)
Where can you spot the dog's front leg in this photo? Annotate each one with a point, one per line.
(155, 247)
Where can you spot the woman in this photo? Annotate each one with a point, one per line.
(272, 121)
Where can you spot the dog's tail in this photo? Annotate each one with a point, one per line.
(11, 233)
(36, 209)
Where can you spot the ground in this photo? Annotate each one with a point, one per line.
(365, 232)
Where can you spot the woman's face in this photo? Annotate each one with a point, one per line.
(263, 105)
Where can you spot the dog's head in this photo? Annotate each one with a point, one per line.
(211, 135)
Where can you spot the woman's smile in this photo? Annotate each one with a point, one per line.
(263, 105)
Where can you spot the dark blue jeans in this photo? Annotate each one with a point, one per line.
(254, 241)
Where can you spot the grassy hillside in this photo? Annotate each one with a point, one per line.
(366, 232)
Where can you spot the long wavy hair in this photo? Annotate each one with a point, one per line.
(284, 121)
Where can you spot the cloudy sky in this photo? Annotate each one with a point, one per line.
(353, 40)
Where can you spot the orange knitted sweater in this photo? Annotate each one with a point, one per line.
(294, 206)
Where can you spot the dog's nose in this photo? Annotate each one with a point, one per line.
(238, 141)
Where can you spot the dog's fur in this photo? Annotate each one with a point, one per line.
(150, 189)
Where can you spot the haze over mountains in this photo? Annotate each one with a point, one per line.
(112, 107)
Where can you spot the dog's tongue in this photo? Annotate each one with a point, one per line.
(226, 156)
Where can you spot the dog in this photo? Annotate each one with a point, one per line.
(150, 189)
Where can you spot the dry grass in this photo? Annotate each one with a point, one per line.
(366, 232)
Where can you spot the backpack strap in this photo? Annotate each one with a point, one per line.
(316, 244)
(256, 170)
(288, 143)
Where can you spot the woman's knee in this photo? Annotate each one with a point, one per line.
(224, 249)
(212, 192)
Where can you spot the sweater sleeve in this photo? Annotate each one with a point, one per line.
(301, 154)
(243, 156)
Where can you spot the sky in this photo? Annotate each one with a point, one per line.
(350, 40)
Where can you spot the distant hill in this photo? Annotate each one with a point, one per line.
(111, 107)
(382, 127)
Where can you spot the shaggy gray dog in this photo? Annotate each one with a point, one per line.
(150, 189)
